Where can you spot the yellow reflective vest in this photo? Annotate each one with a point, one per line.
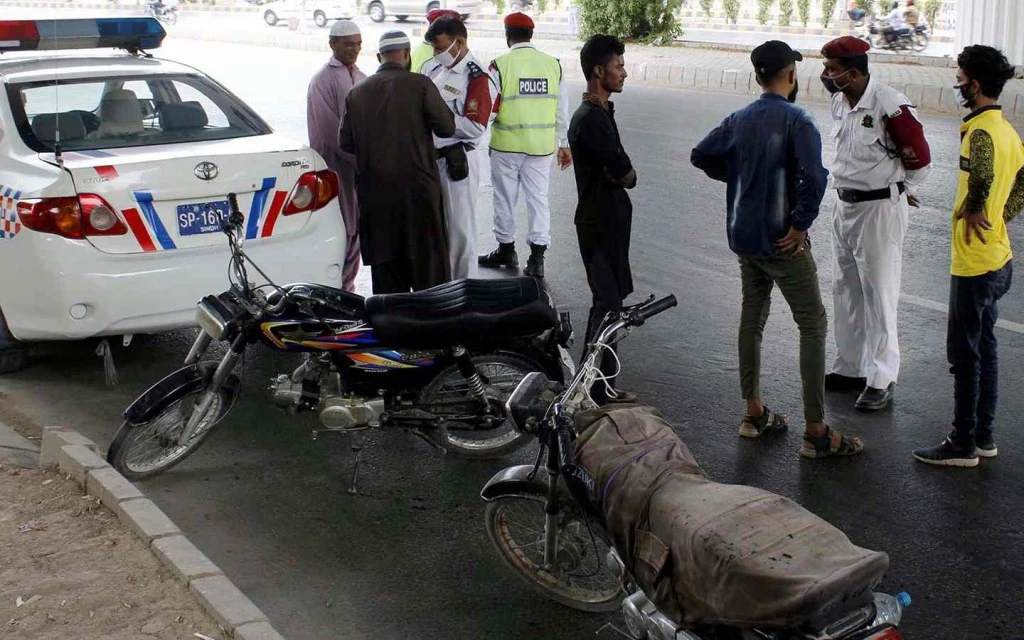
(529, 102)
(421, 55)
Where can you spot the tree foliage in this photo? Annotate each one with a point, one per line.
(500, 6)
(764, 10)
(828, 7)
(542, 6)
(706, 6)
(647, 21)
(931, 12)
(803, 8)
(785, 12)
(732, 9)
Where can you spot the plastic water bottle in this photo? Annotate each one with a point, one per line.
(889, 609)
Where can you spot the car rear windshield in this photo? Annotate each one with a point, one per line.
(100, 113)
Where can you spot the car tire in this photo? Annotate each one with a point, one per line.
(270, 18)
(376, 11)
(320, 19)
(13, 354)
(465, 17)
(432, 6)
(517, 6)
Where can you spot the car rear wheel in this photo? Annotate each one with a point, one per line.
(320, 19)
(270, 18)
(13, 354)
(376, 12)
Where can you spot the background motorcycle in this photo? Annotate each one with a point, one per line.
(909, 39)
(164, 13)
(540, 521)
(399, 360)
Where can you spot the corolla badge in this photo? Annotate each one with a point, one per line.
(206, 171)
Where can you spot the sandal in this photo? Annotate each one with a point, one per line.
(753, 427)
(821, 446)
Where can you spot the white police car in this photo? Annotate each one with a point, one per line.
(114, 172)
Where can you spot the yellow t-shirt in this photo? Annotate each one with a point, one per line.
(1007, 158)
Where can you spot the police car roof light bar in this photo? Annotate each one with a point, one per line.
(132, 34)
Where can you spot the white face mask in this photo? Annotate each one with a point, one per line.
(447, 58)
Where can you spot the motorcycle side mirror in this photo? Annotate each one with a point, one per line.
(529, 403)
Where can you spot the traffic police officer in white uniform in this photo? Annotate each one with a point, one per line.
(532, 118)
(469, 92)
(882, 157)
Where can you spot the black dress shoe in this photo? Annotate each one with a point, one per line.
(836, 382)
(872, 399)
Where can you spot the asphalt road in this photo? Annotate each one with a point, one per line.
(410, 557)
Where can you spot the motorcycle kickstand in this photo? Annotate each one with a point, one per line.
(358, 444)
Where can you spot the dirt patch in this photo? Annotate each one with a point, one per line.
(80, 573)
(17, 420)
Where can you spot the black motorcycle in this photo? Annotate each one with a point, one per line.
(550, 524)
(914, 39)
(162, 12)
(441, 362)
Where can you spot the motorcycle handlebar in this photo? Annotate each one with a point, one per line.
(566, 457)
(648, 311)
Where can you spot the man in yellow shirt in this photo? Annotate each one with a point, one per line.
(990, 193)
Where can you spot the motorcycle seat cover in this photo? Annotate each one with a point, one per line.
(462, 312)
(707, 553)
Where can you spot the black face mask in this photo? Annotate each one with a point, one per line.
(831, 85)
(795, 92)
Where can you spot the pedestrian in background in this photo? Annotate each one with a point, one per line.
(469, 92)
(604, 214)
(882, 157)
(532, 118)
(389, 124)
(769, 155)
(424, 51)
(325, 110)
(990, 193)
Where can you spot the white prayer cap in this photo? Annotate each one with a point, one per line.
(393, 41)
(343, 28)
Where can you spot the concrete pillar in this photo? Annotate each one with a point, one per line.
(997, 23)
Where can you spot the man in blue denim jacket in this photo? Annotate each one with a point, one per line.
(769, 154)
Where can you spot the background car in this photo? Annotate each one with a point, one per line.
(379, 10)
(321, 11)
(115, 172)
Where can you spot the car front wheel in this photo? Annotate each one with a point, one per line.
(377, 12)
(320, 19)
(270, 18)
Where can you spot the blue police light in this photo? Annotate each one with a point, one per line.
(99, 33)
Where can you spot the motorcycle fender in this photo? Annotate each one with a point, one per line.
(516, 481)
(178, 384)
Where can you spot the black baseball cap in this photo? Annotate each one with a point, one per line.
(772, 57)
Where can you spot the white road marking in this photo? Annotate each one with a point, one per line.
(1016, 327)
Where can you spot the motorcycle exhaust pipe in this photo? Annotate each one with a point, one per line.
(645, 622)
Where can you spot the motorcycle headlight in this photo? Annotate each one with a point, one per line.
(214, 317)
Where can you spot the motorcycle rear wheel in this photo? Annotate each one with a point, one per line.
(920, 41)
(580, 578)
(171, 17)
(448, 395)
(156, 437)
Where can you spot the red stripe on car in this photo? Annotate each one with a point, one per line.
(106, 171)
(275, 210)
(135, 223)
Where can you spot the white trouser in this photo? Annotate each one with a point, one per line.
(460, 215)
(512, 173)
(867, 248)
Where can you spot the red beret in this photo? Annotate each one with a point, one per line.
(519, 19)
(437, 14)
(844, 47)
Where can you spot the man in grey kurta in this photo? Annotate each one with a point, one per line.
(389, 125)
(325, 108)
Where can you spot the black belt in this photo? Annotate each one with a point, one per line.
(854, 196)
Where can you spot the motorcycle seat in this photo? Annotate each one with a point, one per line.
(462, 312)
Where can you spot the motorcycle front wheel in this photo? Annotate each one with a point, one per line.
(171, 17)
(146, 449)
(448, 396)
(921, 41)
(580, 577)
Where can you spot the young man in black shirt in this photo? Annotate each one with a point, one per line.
(604, 213)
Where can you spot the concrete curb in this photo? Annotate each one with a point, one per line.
(72, 453)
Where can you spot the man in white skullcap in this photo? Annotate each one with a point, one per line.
(325, 110)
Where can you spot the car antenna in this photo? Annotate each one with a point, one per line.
(58, 157)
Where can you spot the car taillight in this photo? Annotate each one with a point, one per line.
(70, 217)
(892, 633)
(313, 192)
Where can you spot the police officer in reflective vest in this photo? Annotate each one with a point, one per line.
(532, 118)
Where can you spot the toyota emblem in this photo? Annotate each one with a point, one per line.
(206, 171)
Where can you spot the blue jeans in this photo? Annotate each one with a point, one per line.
(971, 350)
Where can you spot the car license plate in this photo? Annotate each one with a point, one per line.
(202, 217)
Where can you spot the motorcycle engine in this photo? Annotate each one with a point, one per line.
(314, 387)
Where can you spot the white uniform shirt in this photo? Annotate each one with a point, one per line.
(561, 115)
(866, 156)
(454, 86)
